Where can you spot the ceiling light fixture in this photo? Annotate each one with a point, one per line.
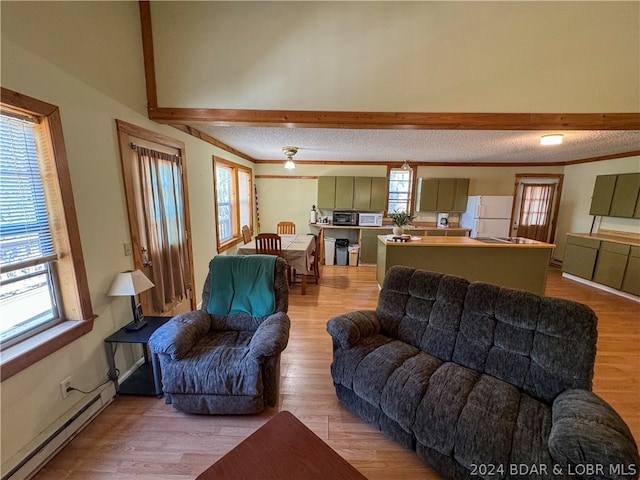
(405, 166)
(290, 152)
(554, 139)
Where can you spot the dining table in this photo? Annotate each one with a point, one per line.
(297, 250)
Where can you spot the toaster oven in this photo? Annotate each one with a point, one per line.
(345, 217)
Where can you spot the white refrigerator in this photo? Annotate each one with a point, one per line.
(488, 215)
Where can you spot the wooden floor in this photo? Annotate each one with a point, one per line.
(138, 437)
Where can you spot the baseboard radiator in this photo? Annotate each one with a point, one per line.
(80, 417)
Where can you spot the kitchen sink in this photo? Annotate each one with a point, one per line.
(511, 240)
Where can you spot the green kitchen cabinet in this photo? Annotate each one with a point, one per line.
(580, 256)
(437, 233)
(326, 193)
(379, 193)
(361, 193)
(631, 280)
(611, 264)
(369, 243)
(625, 195)
(443, 194)
(602, 194)
(344, 193)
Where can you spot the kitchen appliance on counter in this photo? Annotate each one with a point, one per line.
(443, 220)
(370, 219)
(488, 215)
(345, 217)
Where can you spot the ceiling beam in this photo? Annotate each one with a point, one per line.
(396, 120)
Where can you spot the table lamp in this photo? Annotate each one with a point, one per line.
(130, 283)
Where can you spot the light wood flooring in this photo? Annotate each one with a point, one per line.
(138, 437)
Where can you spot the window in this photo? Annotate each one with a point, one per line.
(44, 294)
(400, 189)
(233, 190)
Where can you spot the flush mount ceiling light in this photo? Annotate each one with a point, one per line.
(290, 152)
(554, 139)
(405, 166)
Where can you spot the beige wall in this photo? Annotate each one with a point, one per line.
(477, 56)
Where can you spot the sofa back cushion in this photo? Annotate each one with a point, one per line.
(542, 345)
(422, 308)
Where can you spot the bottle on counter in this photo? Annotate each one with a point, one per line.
(313, 215)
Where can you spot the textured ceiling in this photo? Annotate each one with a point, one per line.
(423, 146)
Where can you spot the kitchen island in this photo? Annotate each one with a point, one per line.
(514, 263)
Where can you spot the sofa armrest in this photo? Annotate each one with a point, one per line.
(586, 430)
(271, 337)
(180, 334)
(349, 328)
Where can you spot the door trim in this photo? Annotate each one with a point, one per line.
(556, 207)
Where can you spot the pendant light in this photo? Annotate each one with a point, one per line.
(290, 152)
(405, 166)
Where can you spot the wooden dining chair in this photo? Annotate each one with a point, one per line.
(271, 244)
(286, 228)
(246, 234)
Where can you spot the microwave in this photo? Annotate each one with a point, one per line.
(345, 217)
(370, 220)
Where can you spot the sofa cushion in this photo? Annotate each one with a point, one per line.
(345, 362)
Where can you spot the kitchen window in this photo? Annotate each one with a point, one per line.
(233, 196)
(44, 294)
(400, 189)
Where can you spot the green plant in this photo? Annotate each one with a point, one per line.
(401, 218)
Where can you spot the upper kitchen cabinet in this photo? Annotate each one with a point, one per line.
(357, 193)
(326, 193)
(443, 194)
(616, 195)
(344, 193)
(625, 195)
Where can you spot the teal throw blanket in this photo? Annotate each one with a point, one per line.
(242, 284)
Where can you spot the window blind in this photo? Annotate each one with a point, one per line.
(25, 236)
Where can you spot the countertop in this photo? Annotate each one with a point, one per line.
(612, 236)
(460, 242)
(431, 226)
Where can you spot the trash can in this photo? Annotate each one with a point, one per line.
(354, 250)
(329, 250)
(342, 253)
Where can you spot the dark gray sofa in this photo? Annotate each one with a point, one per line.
(481, 381)
(217, 364)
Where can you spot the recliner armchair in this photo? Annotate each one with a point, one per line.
(225, 364)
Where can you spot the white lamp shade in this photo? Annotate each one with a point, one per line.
(130, 282)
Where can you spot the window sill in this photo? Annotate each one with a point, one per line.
(18, 357)
(230, 243)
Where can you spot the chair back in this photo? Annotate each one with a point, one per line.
(287, 228)
(246, 234)
(269, 244)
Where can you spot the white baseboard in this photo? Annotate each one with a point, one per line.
(72, 423)
(599, 286)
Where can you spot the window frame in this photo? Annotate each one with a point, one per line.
(236, 228)
(412, 186)
(76, 311)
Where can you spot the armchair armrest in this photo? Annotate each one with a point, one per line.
(271, 337)
(349, 328)
(586, 430)
(180, 334)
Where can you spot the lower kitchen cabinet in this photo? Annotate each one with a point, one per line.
(369, 244)
(611, 264)
(580, 256)
(631, 280)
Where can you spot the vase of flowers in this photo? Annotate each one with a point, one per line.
(400, 218)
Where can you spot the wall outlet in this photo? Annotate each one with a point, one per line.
(65, 385)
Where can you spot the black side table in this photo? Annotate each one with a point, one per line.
(146, 379)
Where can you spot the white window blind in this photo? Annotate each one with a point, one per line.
(28, 294)
(24, 225)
